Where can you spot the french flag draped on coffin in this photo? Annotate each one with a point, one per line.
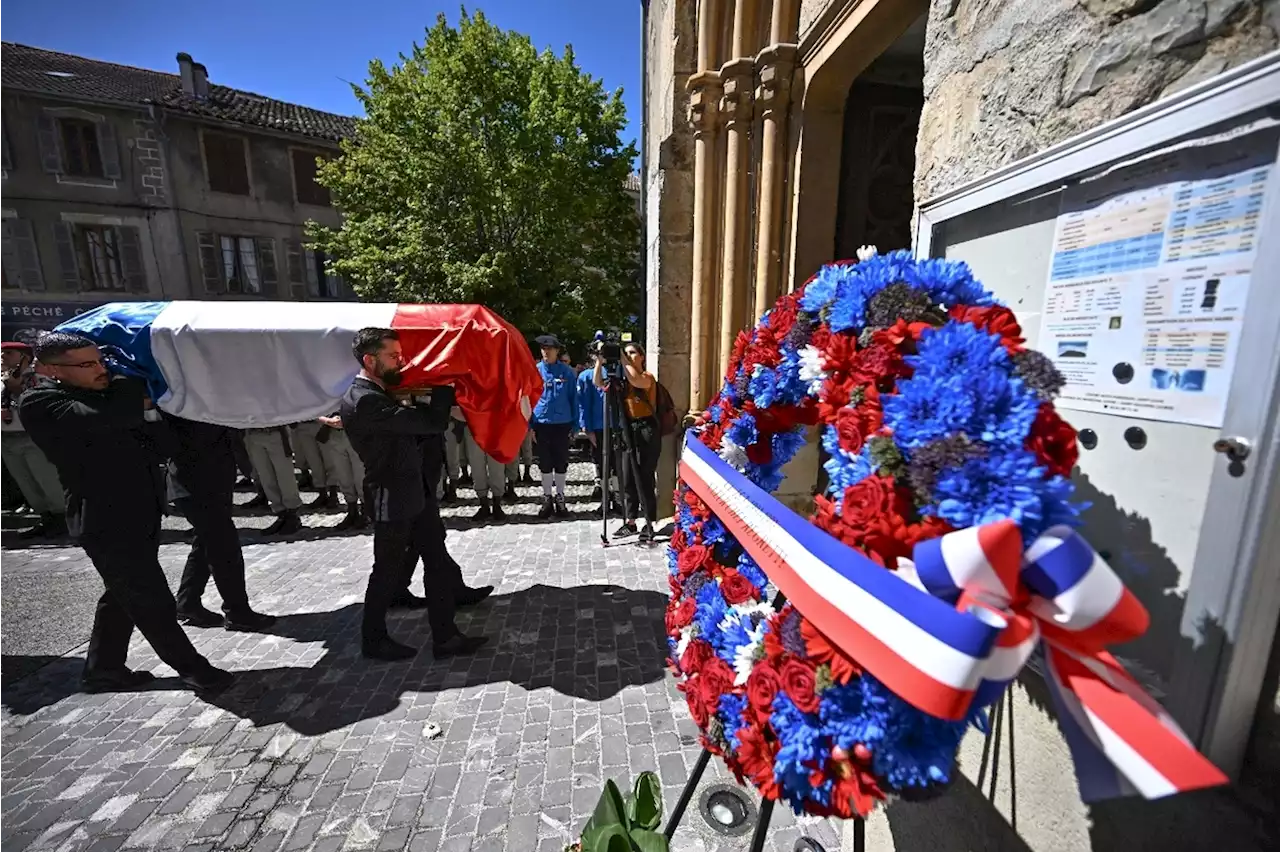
(258, 364)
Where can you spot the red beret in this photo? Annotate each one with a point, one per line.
(14, 344)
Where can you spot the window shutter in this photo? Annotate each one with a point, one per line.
(9, 254)
(50, 144)
(293, 263)
(26, 255)
(65, 236)
(209, 262)
(135, 275)
(110, 153)
(313, 279)
(267, 276)
(7, 164)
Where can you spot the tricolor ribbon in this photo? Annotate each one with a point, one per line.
(973, 609)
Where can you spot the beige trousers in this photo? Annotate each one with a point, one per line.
(273, 469)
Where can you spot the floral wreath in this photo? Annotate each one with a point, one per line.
(934, 417)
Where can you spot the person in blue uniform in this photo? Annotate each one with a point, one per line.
(553, 421)
(591, 422)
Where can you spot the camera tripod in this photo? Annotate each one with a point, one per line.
(617, 429)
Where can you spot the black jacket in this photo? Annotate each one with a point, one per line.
(107, 455)
(387, 437)
(203, 461)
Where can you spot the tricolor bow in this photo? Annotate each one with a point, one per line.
(974, 609)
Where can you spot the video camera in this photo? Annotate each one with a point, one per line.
(609, 348)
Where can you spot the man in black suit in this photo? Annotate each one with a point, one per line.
(202, 481)
(386, 435)
(441, 566)
(97, 433)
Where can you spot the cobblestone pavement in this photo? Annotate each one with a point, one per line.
(316, 748)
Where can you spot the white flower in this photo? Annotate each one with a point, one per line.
(686, 636)
(867, 252)
(734, 456)
(744, 655)
(811, 368)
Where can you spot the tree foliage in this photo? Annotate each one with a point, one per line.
(487, 172)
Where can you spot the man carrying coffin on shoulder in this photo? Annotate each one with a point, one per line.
(387, 436)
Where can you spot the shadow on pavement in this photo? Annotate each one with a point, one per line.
(588, 642)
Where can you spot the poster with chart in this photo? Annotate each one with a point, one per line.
(1150, 275)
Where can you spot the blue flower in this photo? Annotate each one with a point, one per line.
(909, 748)
(801, 746)
(730, 635)
(730, 713)
(748, 568)
(1009, 484)
(764, 386)
(962, 383)
(742, 431)
(843, 469)
(819, 292)
(948, 282)
(710, 611)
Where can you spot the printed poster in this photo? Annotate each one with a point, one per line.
(1150, 276)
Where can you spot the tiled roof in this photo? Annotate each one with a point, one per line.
(51, 73)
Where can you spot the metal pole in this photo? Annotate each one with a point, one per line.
(762, 825)
(605, 453)
(687, 793)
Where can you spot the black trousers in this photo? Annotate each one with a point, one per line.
(639, 469)
(397, 545)
(597, 452)
(215, 551)
(138, 595)
(551, 443)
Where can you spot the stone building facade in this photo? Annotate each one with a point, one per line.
(122, 183)
(782, 135)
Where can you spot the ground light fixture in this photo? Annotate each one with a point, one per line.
(727, 809)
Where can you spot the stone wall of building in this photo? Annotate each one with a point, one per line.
(671, 44)
(1007, 78)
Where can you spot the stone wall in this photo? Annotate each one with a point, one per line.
(810, 12)
(1007, 78)
(671, 43)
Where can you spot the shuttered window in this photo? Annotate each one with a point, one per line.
(304, 180)
(100, 257)
(226, 163)
(21, 258)
(307, 274)
(79, 146)
(236, 263)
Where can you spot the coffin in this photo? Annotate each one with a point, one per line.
(257, 364)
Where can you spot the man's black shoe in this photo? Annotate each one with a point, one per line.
(485, 512)
(248, 622)
(472, 596)
(646, 534)
(258, 502)
(408, 600)
(528, 477)
(387, 649)
(50, 526)
(354, 519)
(625, 530)
(201, 617)
(548, 507)
(120, 680)
(562, 511)
(305, 482)
(450, 495)
(209, 682)
(496, 509)
(327, 500)
(597, 493)
(465, 478)
(286, 523)
(510, 495)
(458, 645)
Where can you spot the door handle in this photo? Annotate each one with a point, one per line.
(1235, 448)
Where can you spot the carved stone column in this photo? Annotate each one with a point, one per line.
(704, 102)
(773, 100)
(736, 113)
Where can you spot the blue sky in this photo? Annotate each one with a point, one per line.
(304, 51)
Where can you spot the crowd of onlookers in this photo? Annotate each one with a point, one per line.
(282, 462)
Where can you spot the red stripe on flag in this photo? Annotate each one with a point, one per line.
(1169, 755)
(908, 682)
(1001, 543)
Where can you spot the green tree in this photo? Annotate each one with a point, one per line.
(486, 172)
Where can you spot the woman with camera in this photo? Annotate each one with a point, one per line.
(641, 445)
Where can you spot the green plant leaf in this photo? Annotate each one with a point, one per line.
(644, 806)
(649, 841)
(606, 838)
(610, 811)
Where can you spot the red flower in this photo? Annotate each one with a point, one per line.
(680, 616)
(878, 366)
(856, 790)
(820, 650)
(902, 335)
(736, 588)
(995, 319)
(693, 697)
(691, 559)
(696, 655)
(715, 680)
(694, 502)
(762, 686)
(799, 684)
(849, 430)
(740, 344)
(756, 753)
(773, 650)
(1053, 440)
(679, 540)
(761, 452)
(783, 315)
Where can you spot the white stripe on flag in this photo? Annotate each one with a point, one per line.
(916, 646)
(257, 364)
(962, 548)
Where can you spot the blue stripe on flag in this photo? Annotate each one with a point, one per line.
(961, 631)
(122, 331)
(1060, 569)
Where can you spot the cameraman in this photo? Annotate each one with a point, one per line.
(641, 444)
